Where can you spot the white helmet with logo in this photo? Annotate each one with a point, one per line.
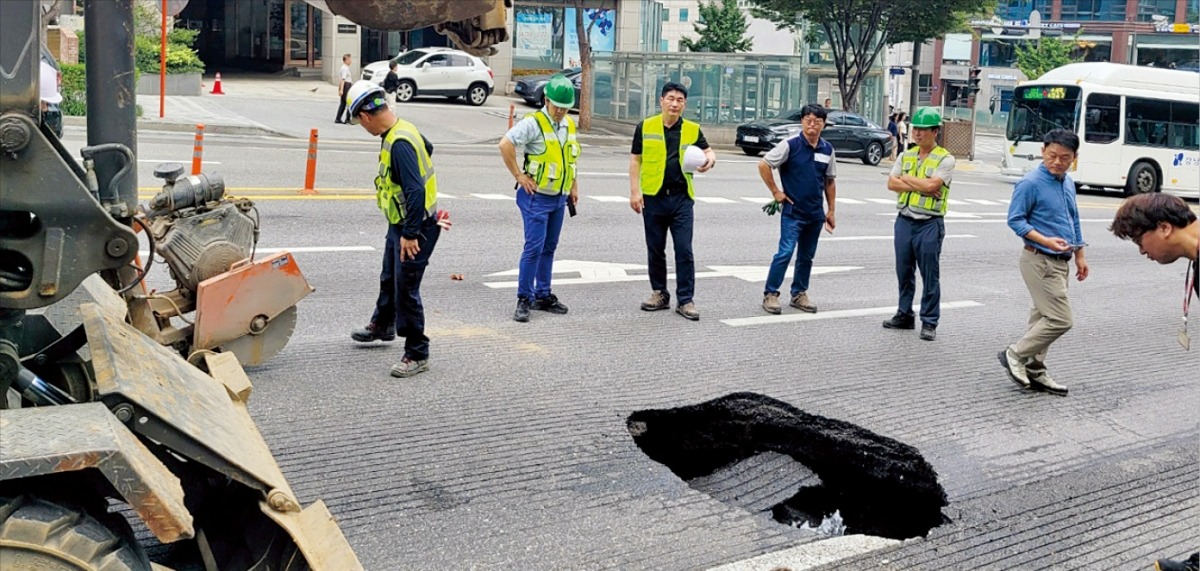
(364, 96)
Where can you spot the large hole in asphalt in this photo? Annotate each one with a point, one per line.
(763, 454)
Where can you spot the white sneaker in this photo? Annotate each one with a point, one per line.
(1015, 367)
(1043, 382)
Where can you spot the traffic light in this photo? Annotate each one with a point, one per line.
(973, 81)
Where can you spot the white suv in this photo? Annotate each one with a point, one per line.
(436, 71)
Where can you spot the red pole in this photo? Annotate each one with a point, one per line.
(162, 66)
(310, 173)
(198, 149)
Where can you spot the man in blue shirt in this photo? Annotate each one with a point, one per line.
(807, 169)
(1044, 214)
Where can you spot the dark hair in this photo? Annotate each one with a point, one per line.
(814, 110)
(1062, 137)
(1144, 212)
(672, 86)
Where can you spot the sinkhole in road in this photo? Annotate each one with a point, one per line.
(808, 471)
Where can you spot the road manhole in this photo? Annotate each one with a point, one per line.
(765, 455)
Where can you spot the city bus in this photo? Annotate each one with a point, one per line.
(1138, 127)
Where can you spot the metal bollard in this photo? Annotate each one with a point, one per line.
(198, 149)
(310, 173)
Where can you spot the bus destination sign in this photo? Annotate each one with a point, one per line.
(1044, 93)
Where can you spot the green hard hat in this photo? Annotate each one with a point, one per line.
(927, 117)
(560, 91)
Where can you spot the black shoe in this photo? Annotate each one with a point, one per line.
(928, 332)
(373, 333)
(522, 312)
(1190, 564)
(900, 321)
(550, 304)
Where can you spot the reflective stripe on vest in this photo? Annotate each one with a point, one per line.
(912, 165)
(389, 195)
(654, 153)
(554, 169)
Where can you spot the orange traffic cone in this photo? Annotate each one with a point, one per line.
(217, 86)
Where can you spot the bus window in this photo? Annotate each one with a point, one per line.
(1103, 118)
(1147, 121)
(1185, 126)
(1039, 109)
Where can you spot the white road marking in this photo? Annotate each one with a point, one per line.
(853, 201)
(605, 272)
(444, 195)
(493, 196)
(883, 201)
(714, 200)
(960, 182)
(888, 237)
(836, 314)
(189, 161)
(624, 174)
(608, 198)
(984, 202)
(956, 202)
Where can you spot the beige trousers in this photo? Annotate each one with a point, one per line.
(1046, 278)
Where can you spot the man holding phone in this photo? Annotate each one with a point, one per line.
(1044, 214)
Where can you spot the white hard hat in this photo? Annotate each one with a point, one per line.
(48, 84)
(364, 96)
(693, 158)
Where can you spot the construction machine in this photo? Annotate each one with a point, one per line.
(104, 424)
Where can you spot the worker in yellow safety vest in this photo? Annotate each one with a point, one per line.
(546, 187)
(406, 193)
(921, 181)
(662, 191)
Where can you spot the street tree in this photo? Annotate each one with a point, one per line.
(584, 23)
(859, 30)
(1036, 57)
(722, 29)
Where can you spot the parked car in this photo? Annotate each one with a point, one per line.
(851, 135)
(530, 87)
(436, 72)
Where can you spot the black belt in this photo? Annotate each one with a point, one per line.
(1066, 257)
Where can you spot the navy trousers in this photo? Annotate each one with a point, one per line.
(919, 247)
(399, 298)
(543, 218)
(673, 212)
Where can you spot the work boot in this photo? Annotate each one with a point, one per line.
(522, 313)
(408, 367)
(550, 304)
(928, 332)
(771, 302)
(689, 311)
(900, 321)
(373, 332)
(1042, 382)
(1015, 367)
(658, 300)
(1190, 564)
(800, 301)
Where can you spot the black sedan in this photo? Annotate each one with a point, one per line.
(851, 135)
(530, 88)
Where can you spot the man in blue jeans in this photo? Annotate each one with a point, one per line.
(807, 168)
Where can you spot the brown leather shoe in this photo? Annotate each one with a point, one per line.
(688, 310)
(800, 301)
(658, 300)
(771, 303)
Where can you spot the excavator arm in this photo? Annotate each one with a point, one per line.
(475, 25)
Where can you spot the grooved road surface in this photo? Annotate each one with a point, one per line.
(512, 452)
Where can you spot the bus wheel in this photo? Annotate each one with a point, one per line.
(1142, 179)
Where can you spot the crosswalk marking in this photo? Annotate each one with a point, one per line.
(714, 200)
(983, 201)
(492, 196)
(608, 198)
(882, 201)
(853, 201)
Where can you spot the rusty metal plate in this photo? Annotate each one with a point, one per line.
(189, 412)
(227, 304)
(407, 15)
(49, 440)
(318, 537)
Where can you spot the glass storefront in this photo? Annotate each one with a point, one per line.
(255, 34)
(545, 39)
(723, 89)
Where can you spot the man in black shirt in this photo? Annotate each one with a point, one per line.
(661, 190)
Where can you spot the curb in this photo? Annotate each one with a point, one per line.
(153, 125)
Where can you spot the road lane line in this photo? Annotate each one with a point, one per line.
(492, 196)
(836, 314)
(608, 198)
(883, 201)
(889, 237)
(714, 200)
(983, 201)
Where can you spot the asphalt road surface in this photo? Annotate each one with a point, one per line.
(512, 452)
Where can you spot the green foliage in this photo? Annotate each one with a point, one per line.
(74, 89)
(723, 29)
(181, 58)
(858, 30)
(82, 47)
(1037, 57)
